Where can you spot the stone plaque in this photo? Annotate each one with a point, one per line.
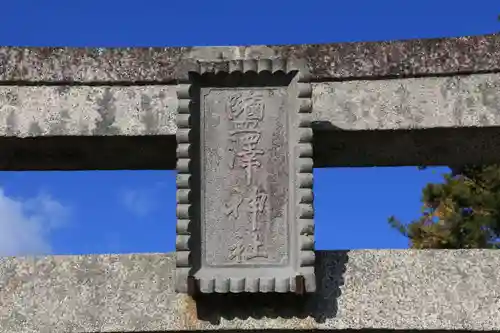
(245, 214)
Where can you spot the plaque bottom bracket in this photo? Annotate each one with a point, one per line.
(193, 288)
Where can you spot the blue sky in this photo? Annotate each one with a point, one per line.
(134, 211)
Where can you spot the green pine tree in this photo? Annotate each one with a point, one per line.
(462, 212)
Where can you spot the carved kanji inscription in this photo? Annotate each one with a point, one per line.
(245, 170)
(245, 215)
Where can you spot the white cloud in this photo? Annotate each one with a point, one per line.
(142, 202)
(25, 225)
(139, 202)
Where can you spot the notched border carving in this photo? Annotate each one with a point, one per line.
(188, 181)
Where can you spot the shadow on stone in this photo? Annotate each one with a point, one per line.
(154, 152)
(330, 268)
(335, 147)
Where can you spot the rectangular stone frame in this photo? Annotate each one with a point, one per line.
(292, 78)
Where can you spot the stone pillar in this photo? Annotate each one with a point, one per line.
(244, 184)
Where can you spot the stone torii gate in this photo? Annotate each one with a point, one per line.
(244, 127)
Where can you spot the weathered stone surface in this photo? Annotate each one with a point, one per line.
(411, 103)
(84, 110)
(390, 289)
(471, 100)
(248, 139)
(326, 61)
(239, 175)
(454, 101)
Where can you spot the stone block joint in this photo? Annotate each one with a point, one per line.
(245, 214)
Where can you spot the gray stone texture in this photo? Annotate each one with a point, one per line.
(251, 225)
(361, 105)
(87, 110)
(233, 182)
(326, 61)
(454, 101)
(384, 289)
(105, 127)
